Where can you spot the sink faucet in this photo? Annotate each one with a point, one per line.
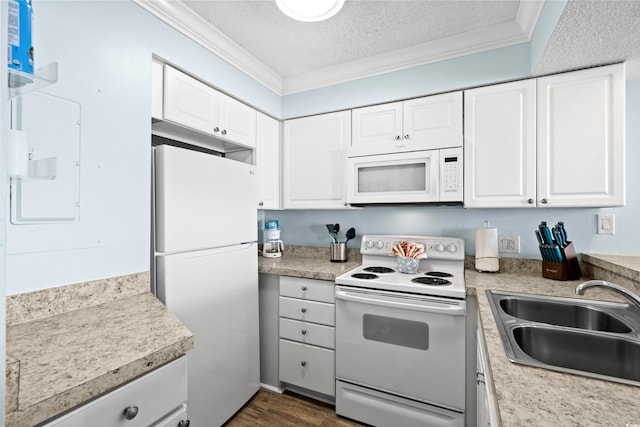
(602, 284)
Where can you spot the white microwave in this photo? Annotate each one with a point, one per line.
(432, 176)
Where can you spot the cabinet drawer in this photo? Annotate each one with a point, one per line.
(308, 333)
(309, 367)
(308, 311)
(316, 290)
(174, 419)
(155, 394)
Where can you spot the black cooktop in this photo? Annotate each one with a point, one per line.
(431, 281)
(375, 269)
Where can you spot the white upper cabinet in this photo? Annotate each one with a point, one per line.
(556, 141)
(191, 103)
(314, 155)
(237, 121)
(500, 145)
(268, 162)
(581, 138)
(418, 124)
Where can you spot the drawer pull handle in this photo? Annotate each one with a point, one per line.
(304, 310)
(184, 423)
(131, 412)
(304, 332)
(303, 363)
(304, 288)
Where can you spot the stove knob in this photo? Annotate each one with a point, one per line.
(452, 248)
(370, 244)
(440, 247)
(380, 244)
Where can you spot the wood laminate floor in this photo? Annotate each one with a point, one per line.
(268, 408)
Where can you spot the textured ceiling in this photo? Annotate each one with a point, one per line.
(363, 28)
(593, 33)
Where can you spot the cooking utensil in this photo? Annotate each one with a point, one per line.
(336, 230)
(350, 234)
(331, 233)
(546, 233)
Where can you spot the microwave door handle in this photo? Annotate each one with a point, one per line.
(431, 307)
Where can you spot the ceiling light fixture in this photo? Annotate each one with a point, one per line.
(310, 10)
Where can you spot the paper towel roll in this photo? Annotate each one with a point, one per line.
(487, 249)
(17, 154)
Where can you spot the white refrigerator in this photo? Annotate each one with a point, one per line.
(206, 273)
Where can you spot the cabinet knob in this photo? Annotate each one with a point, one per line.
(216, 129)
(304, 332)
(304, 288)
(224, 131)
(407, 136)
(398, 138)
(304, 310)
(184, 423)
(544, 201)
(131, 412)
(303, 363)
(530, 201)
(261, 204)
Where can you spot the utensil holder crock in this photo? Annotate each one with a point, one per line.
(338, 252)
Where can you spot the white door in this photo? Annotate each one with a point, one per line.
(500, 145)
(237, 121)
(268, 162)
(581, 137)
(377, 129)
(433, 122)
(189, 102)
(215, 294)
(202, 200)
(314, 161)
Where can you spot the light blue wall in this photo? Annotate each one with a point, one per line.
(308, 227)
(472, 70)
(104, 51)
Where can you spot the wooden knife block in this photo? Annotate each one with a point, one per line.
(566, 270)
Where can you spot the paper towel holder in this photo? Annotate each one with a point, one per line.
(487, 259)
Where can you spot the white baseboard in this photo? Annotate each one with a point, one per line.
(272, 388)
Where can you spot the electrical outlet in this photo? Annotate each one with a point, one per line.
(606, 224)
(509, 244)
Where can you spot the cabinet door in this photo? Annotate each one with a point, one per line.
(189, 102)
(237, 121)
(500, 145)
(432, 122)
(268, 162)
(377, 129)
(314, 161)
(581, 137)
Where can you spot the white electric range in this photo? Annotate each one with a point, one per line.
(400, 338)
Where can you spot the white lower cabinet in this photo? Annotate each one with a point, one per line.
(155, 399)
(487, 413)
(307, 334)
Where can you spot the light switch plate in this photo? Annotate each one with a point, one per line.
(509, 243)
(606, 224)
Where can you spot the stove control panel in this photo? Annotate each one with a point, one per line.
(435, 247)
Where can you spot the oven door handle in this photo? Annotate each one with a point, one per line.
(417, 305)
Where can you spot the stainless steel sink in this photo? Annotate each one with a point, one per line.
(584, 337)
(563, 314)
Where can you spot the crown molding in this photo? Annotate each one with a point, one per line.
(468, 43)
(528, 15)
(178, 16)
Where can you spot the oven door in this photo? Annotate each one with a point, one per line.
(409, 345)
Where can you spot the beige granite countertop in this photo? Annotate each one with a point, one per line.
(529, 396)
(308, 262)
(57, 359)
